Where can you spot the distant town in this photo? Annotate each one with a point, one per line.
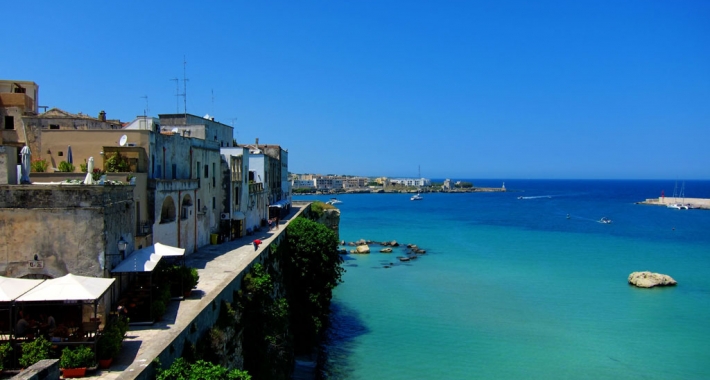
(334, 184)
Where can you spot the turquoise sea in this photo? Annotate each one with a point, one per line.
(512, 289)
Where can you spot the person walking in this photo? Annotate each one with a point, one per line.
(257, 242)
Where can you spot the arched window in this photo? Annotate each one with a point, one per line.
(167, 212)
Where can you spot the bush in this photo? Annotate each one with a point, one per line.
(117, 163)
(66, 167)
(318, 208)
(4, 352)
(201, 370)
(183, 279)
(39, 165)
(157, 309)
(79, 357)
(34, 351)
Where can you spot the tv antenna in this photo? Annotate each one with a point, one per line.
(184, 84)
(146, 111)
(177, 95)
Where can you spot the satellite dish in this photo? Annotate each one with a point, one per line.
(123, 140)
(175, 130)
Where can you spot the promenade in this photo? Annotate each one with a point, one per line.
(218, 266)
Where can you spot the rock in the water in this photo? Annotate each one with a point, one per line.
(361, 242)
(386, 250)
(649, 280)
(363, 249)
(394, 243)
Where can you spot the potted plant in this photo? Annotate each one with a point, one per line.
(34, 351)
(183, 280)
(110, 342)
(74, 362)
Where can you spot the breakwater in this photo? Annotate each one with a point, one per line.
(694, 203)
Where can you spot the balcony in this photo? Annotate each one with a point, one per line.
(256, 187)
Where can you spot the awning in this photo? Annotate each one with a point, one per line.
(281, 204)
(12, 288)
(145, 260)
(238, 215)
(68, 288)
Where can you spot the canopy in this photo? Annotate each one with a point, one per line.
(281, 204)
(145, 260)
(11, 288)
(69, 288)
(238, 215)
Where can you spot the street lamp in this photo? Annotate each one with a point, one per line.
(122, 245)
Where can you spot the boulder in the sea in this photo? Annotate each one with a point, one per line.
(386, 250)
(649, 280)
(420, 251)
(361, 242)
(394, 243)
(363, 249)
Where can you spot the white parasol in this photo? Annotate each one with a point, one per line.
(26, 164)
(89, 172)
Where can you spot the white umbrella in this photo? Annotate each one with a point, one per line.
(26, 164)
(89, 172)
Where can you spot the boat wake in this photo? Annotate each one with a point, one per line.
(536, 197)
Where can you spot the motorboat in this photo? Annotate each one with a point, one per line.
(334, 201)
(605, 220)
(417, 197)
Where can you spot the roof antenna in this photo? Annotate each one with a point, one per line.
(184, 84)
(177, 95)
(146, 111)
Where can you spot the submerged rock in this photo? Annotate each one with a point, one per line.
(386, 250)
(649, 280)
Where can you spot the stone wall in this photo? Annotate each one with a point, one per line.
(8, 165)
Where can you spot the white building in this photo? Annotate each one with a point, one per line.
(416, 182)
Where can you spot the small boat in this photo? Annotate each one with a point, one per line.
(417, 197)
(334, 201)
(605, 220)
(568, 216)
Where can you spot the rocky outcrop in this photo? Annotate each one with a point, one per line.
(649, 280)
(362, 249)
(386, 250)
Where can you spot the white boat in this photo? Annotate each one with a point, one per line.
(676, 205)
(416, 197)
(334, 201)
(605, 220)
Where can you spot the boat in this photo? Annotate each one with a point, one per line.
(417, 197)
(605, 220)
(676, 205)
(334, 201)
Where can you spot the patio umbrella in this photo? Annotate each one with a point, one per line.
(89, 180)
(70, 159)
(26, 161)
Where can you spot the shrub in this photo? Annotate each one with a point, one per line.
(66, 167)
(39, 165)
(4, 352)
(84, 167)
(157, 309)
(79, 357)
(111, 340)
(97, 173)
(34, 351)
(201, 370)
(117, 163)
(318, 208)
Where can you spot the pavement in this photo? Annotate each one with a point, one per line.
(217, 265)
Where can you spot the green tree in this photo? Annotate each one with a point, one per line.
(311, 267)
(200, 370)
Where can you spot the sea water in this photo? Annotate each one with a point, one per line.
(532, 288)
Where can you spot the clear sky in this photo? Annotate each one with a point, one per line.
(464, 89)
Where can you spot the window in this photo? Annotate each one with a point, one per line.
(9, 122)
(236, 195)
(207, 171)
(214, 204)
(197, 171)
(54, 126)
(174, 171)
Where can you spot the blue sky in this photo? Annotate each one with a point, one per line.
(464, 89)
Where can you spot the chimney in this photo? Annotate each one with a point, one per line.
(102, 115)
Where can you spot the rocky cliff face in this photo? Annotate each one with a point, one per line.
(331, 219)
(649, 280)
